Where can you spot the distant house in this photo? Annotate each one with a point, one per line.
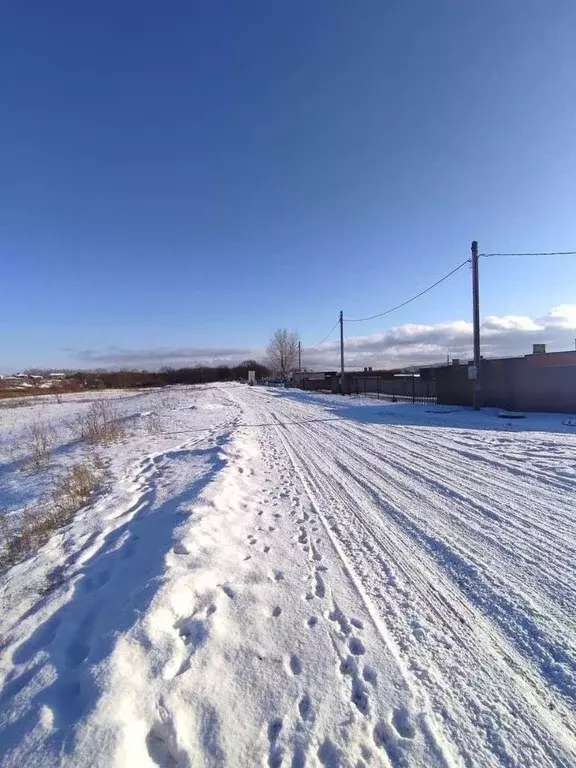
(57, 376)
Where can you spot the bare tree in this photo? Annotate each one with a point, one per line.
(282, 352)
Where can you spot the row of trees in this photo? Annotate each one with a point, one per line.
(281, 358)
(199, 374)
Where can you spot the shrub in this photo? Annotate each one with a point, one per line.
(100, 424)
(71, 492)
(26, 531)
(154, 424)
(38, 445)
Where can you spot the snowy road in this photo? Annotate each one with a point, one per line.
(283, 579)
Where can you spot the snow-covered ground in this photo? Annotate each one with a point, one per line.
(274, 578)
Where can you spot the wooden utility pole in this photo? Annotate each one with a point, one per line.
(300, 356)
(476, 320)
(341, 352)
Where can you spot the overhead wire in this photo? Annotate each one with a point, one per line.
(408, 301)
(431, 287)
(548, 253)
(325, 337)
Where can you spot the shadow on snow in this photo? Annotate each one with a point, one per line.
(114, 589)
(369, 411)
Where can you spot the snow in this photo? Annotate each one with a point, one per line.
(280, 578)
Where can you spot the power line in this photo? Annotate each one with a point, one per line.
(306, 349)
(549, 253)
(409, 301)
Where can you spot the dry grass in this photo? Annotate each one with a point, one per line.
(7, 394)
(71, 492)
(17, 403)
(37, 445)
(100, 424)
(25, 531)
(154, 424)
(63, 387)
(31, 527)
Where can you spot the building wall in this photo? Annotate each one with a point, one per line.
(453, 386)
(519, 384)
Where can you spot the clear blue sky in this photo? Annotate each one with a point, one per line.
(196, 174)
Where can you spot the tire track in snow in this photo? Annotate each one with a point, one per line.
(316, 449)
(394, 747)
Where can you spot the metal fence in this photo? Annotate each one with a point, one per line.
(410, 389)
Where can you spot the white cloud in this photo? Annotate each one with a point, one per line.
(412, 344)
(494, 324)
(563, 316)
(401, 345)
(169, 356)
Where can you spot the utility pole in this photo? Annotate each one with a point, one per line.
(341, 352)
(476, 320)
(300, 356)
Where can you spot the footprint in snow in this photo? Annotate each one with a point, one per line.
(295, 664)
(357, 623)
(392, 736)
(276, 753)
(356, 646)
(305, 707)
(193, 632)
(320, 589)
(338, 617)
(370, 676)
(76, 653)
(402, 724)
(277, 575)
(92, 583)
(359, 693)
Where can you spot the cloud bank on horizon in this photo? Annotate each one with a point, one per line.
(402, 345)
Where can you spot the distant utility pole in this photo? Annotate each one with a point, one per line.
(341, 352)
(300, 355)
(476, 319)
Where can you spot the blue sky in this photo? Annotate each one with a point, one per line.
(192, 175)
